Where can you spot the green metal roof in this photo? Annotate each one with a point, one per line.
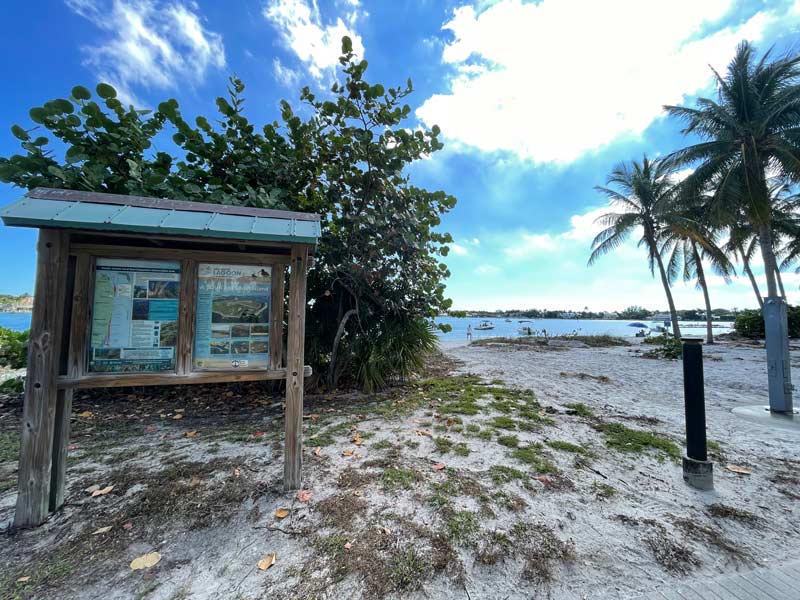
(44, 207)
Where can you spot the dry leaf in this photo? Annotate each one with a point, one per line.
(738, 470)
(304, 495)
(318, 451)
(236, 472)
(102, 530)
(422, 432)
(347, 453)
(24, 579)
(72, 447)
(194, 481)
(266, 562)
(348, 545)
(92, 489)
(178, 416)
(281, 513)
(103, 491)
(387, 531)
(190, 434)
(356, 439)
(358, 493)
(85, 414)
(258, 434)
(145, 561)
(180, 410)
(127, 526)
(150, 428)
(438, 466)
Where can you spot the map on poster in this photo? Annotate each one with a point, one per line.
(134, 316)
(232, 317)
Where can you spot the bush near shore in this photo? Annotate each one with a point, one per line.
(750, 323)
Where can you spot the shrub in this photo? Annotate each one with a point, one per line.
(665, 347)
(750, 323)
(13, 348)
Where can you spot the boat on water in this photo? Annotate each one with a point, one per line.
(508, 320)
(525, 331)
(485, 325)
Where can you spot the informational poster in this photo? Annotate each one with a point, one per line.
(232, 317)
(134, 316)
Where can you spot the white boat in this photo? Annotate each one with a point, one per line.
(485, 325)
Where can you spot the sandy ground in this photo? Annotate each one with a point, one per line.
(419, 492)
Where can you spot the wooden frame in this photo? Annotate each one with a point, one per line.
(60, 342)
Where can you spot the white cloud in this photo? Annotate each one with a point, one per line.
(458, 249)
(552, 80)
(316, 44)
(149, 43)
(487, 269)
(286, 77)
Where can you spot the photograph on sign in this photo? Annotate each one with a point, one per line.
(134, 316)
(232, 317)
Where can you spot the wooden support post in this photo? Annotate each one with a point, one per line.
(76, 332)
(295, 346)
(38, 415)
(188, 300)
(276, 317)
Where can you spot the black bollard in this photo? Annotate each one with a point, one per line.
(698, 472)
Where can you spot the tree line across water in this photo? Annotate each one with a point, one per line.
(730, 197)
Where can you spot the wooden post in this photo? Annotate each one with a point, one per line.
(76, 332)
(186, 316)
(295, 346)
(276, 317)
(38, 415)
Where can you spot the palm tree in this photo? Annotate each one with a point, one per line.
(641, 192)
(751, 130)
(689, 242)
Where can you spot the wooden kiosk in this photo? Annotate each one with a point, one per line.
(146, 291)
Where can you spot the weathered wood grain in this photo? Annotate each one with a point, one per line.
(187, 298)
(276, 316)
(295, 348)
(143, 379)
(38, 416)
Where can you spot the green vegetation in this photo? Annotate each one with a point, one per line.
(666, 347)
(603, 491)
(580, 409)
(13, 348)
(462, 526)
(532, 455)
(398, 478)
(750, 323)
(503, 422)
(9, 446)
(378, 276)
(502, 474)
(625, 439)
(511, 441)
(569, 447)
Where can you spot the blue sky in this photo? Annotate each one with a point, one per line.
(537, 101)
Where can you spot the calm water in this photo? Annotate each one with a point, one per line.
(15, 321)
(561, 327)
(22, 321)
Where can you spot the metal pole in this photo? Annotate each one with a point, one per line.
(698, 472)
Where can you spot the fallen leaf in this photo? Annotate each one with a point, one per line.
(236, 472)
(438, 466)
(102, 530)
(24, 579)
(347, 453)
(348, 545)
(266, 562)
(103, 491)
(150, 428)
(178, 416)
(738, 470)
(72, 447)
(281, 513)
(358, 493)
(180, 410)
(127, 526)
(387, 531)
(85, 414)
(194, 481)
(145, 561)
(190, 434)
(356, 439)
(258, 434)
(318, 451)
(422, 432)
(92, 489)
(304, 495)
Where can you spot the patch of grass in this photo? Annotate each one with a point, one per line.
(510, 441)
(461, 449)
(485, 434)
(600, 378)
(603, 491)
(532, 455)
(340, 509)
(9, 446)
(443, 444)
(501, 474)
(352, 478)
(473, 428)
(541, 549)
(722, 511)
(331, 544)
(329, 435)
(579, 409)
(596, 341)
(407, 570)
(413, 444)
(625, 439)
(710, 537)
(462, 526)
(381, 445)
(503, 422)
(399, 478)
(569, 447)
(494, 548)
(671, 555)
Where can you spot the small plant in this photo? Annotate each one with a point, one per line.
(626, 439)
(443, 445)
(503, 422)
(666, 347)
(501, 474)
(462, 526)
(473, 428)
(13, 348)
(510, 441)
(407, 570)
(532, 455)
(579, 409)
(568, 447)
(603, 491)
(395, 478)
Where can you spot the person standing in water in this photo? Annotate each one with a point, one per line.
(469, 332)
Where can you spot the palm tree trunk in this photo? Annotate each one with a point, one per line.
(768, 256)
(673, 314)
(753, 282)
(701, 279)
(780, 283)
